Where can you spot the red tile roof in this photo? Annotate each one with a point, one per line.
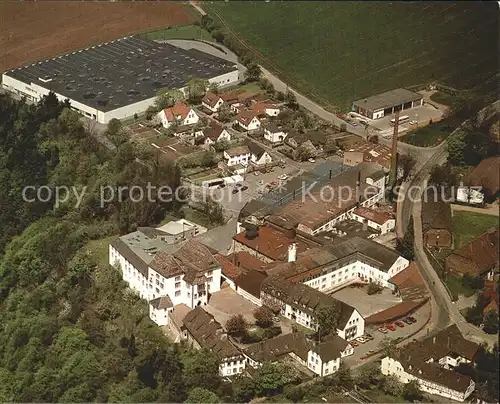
(374, 216)
(246, 261)
(260, 107)
(245, 117)
(213, 131)
(179, 111)
(271, 242)
(395, 312)
(477, 257)
(408, 277)
(211, 99)
(229, 269)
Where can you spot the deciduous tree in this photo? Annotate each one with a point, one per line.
(236, 325)
(263, 316)
(328, 318)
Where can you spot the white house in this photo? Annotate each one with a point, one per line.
(179, 113)
(264, 108)
(212, 101)
(237, 155)
(431, 363)
(275, 133)
(186, 276)
(203, 331)
(248, 120)
(259, 156)
(213, 134)
(380, 221)
(324, 358)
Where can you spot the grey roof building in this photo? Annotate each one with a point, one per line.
(118, 78)
(380, 105)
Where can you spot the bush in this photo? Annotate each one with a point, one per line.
(296, 394)
(374, 288)
(271, 332)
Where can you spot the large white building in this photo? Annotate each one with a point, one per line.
(117, 79)
(324, 358)
(431, 363)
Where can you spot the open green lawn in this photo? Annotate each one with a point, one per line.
(456, 287)
(343, 51)
(99, 248)
(185, 32)
(443, 98)
(468, 225)
(427, 136)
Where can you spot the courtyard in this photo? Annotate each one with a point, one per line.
(366, 304)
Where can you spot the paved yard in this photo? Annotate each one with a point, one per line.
(227, 302)
(421, 315)
(367, 305)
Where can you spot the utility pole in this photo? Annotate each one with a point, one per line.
(394, 156)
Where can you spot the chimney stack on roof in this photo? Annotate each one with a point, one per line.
(292, 252)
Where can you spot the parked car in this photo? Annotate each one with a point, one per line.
(361, 340)
(353, 343)
(382, 330)
(399, 324)
(238, 185)
(412, 319)
(390, 327)
(223, 185)
(369, 337)
(311, 160)
(261, 182)
(255, 173)
(413, 122)
(283, 177)
(407, 321)
(236, 190)
(244, 188)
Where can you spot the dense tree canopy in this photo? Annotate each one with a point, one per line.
(71, 330)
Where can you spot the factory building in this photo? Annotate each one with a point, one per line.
(117, 79)
(378, 106)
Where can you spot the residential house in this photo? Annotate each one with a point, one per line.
(259, 156)
(264, 109)
(279, 348)
(212, 101)
(324, 358)
(431, 362)
(180, 114)
(248, 120)
(275, 133)
(203, 331)
(479, 257)
(380, 221)
(159, 310)
(213, 134)
(437, 226)
(237, 155)
(486, 176)
(301, 303)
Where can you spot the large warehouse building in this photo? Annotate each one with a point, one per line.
(117, 79)
(387, 103)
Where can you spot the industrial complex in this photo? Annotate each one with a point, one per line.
(117, 79)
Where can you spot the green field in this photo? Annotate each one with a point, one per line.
(343, 51)
(185, 32)
(427, 136)
(468, 225)
(443, 98)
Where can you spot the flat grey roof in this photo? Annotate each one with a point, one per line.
(388, 99)
(121, 72)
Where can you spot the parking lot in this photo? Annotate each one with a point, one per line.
(366, 304)
(360, 351)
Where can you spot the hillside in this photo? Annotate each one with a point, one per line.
(342, 51)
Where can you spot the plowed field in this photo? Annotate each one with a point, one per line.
(31, 31)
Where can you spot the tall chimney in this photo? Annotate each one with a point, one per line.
(292, 252)
(394, 156)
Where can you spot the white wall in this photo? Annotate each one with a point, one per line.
(390, 366)
(253, 125)
(232, 366)
(264, 159)
(226, 79)
(316, 365)
(275, 137)
(233, 160)
(216, 107)
(159, 316)
(136, 281)
(248, 296)
(354, 328)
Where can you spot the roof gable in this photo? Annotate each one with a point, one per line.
(179, 111)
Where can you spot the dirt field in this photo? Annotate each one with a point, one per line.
(31, 31)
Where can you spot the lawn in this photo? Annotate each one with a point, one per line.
(468, 225)
(427, 136)
(443, 98)
(99, 248)
(456, 287)
(378, 396)
(184, 32)
(338, 52)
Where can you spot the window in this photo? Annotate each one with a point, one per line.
(177, 293)
(157, 290)
(177, 278)
(177, 285)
